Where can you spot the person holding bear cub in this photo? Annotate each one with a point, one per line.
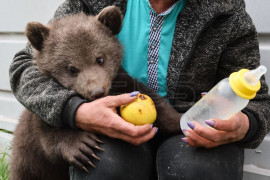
(177, 49)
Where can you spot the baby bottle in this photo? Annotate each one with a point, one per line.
(227, 98)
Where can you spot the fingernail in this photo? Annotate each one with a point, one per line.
(184, 140)
(151, 126)
(186, 132)
(203, 94)
(156, 130)
(135, 93)
(210, 123)
(191, 125)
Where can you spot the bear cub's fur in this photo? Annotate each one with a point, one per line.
(81, 53)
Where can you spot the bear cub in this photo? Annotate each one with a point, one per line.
(81, 53)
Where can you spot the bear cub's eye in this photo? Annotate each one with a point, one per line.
(73, 70)
(100, 60)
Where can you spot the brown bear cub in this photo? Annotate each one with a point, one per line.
(81, 53)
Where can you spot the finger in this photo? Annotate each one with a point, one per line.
(127, 128)
(223, 125)
(207, 146)
(232, 124)
(213, 135)
(120, 129)
(115, 101)
(133, 140)
(195, 140)
(142, 139)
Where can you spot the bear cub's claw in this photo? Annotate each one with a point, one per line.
(79, 152)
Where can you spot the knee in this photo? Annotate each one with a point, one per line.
(119, 160)
(176, 160)
(122, 160)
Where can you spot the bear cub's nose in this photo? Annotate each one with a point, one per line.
(97, 93)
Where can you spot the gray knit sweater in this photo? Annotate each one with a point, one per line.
(212, 39)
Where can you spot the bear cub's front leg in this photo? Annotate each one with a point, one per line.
(44, 152)
(74, 146)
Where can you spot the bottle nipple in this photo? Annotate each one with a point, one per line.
(246, 83)
(253, 77)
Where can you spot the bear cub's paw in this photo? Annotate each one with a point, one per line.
(78, 151)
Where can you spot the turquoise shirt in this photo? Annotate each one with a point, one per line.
(134, 38)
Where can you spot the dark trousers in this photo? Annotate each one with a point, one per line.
(169, 160)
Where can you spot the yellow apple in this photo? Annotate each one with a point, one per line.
(139, 112)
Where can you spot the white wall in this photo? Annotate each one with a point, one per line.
(260, 14)
(14, 15)
(257, 165)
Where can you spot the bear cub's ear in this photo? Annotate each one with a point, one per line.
(37, 34)
(111, 17)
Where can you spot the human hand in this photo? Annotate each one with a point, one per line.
(100, 117)
(223, 131)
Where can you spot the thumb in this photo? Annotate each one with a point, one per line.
(115, 101)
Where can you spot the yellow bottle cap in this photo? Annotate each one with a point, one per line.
(241, 87)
